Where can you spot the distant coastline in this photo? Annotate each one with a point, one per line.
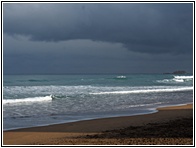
(177, 72)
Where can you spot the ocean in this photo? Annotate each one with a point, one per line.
(35, 100)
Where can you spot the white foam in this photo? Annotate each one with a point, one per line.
(121, 77)
(145, 91)
(28, 100)
(177, 79)
(183, 77)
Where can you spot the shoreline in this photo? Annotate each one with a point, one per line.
(50, 134)
(85, 119)
(153, 110)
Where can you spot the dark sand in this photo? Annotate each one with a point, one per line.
(168, 126)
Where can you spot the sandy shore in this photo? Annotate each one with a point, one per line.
(168, 126)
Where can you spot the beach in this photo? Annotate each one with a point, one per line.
(97, 73)
(171, 125)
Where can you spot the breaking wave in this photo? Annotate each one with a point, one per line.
(121, 77)
(183, 77)
(28, 100)
(177, 79)
(146, 91)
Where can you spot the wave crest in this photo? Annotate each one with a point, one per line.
(183, 77)
(28, 100)
(145, 91)
(121, 77)
(177, 79)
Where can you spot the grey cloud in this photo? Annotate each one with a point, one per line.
(97, 38)
(24, 56)
(141, 27)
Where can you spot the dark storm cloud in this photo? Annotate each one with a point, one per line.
(24, 56)
(152, 28)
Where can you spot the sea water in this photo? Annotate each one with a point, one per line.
(34, 100)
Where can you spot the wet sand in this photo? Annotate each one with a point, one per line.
(169, 126)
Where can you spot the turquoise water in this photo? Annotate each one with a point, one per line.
(33, 100)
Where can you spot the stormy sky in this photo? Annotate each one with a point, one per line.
(58, 38)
